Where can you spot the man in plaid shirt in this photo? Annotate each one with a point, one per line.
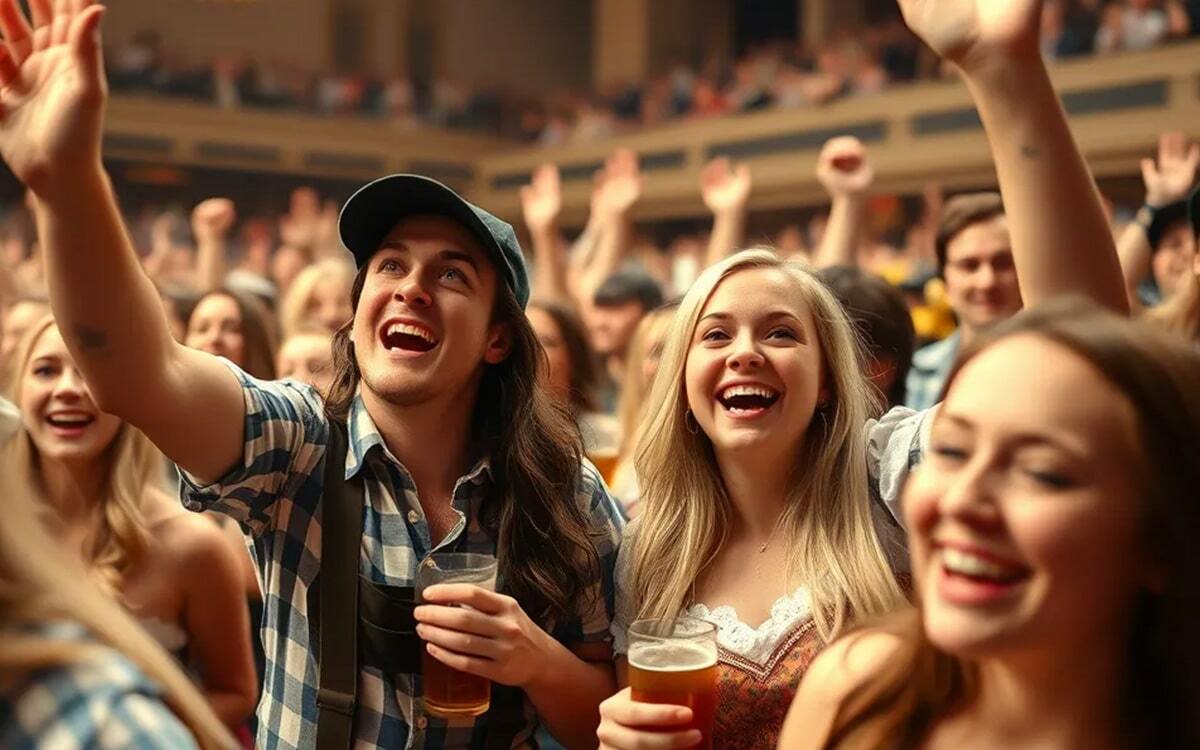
(457, 448)
(455, 443)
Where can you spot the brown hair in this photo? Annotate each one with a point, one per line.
(585, 368)
(258, 332)
(1160, 376)
(960, 212)
(548, 560)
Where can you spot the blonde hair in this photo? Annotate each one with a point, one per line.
(650, 333)
(686, 512)
(294, 307)
(1180, 313)
(132, 464)
(39, 585)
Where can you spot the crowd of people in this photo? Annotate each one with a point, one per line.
(985, 541)
(783, 74)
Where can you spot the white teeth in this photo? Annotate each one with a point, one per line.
(70, 420)
(965, 563)
(748, 390)
(411, 330)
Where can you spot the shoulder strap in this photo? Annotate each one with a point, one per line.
(341, 540)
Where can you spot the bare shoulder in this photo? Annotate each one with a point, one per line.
(188, 537)
(852, 660)
(841, 668)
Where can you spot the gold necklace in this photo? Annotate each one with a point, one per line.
(771, 536)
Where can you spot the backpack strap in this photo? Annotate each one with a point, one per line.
(341, 540)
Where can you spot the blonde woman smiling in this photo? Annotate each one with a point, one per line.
(101, 478)
(757, 510)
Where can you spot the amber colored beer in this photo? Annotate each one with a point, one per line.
(678, 674)
(450, 693)
(605, 463)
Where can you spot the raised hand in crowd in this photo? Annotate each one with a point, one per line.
(726, 191)
(541, 204)
(1168, 180)
(212, 221)
(1061, 241)
(1172, 176)
(616, 190)
(846, 173)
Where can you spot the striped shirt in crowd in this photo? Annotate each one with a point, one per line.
(99, 700)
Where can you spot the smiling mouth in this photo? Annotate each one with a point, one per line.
(70, 422)
(963, 564)
(408, 337)
(747, 400)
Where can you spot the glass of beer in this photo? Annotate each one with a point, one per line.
(450, 693)
(674, 661)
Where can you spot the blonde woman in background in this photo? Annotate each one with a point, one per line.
(319, 297)
(307, 355)
(641, 365)
(756, 513)
(75, 670)
(100, 480)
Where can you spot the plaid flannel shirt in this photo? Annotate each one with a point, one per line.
(276, 495)
(99, 701)
(930, 367)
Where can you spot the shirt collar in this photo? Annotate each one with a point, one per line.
(938, 356)
(363, 436)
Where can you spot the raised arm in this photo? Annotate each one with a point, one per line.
(1061, 241)
(846, 174)
(619, 188)
(212, 221)
(725, 190)
(51, 109)
(1168, 180)
(541, 203)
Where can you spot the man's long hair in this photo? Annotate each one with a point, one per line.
(548, 560)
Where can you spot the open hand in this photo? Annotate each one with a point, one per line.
(969, 32)
(212, 219)
(619, 187)
(628, 725)
(491, 636)
(843, 168)
(52, 91)
(723, 187)
(541, 200)
(1171, 178)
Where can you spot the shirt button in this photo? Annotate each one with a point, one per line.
(413, 516)
(422, 722)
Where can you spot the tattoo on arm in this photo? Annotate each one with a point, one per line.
(91, 339)
(1030, 152)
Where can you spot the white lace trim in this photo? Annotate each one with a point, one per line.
(756, 644)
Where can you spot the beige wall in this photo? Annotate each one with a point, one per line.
(533, 46)
(293, 31)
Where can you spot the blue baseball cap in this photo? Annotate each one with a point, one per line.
(375, 209)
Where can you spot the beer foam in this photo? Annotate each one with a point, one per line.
(671, 657)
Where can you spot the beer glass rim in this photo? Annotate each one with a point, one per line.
(651, 628)
(461, 560)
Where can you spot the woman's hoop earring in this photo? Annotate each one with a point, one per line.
(690, 423)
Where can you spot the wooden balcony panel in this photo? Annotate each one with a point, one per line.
(927, 131)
